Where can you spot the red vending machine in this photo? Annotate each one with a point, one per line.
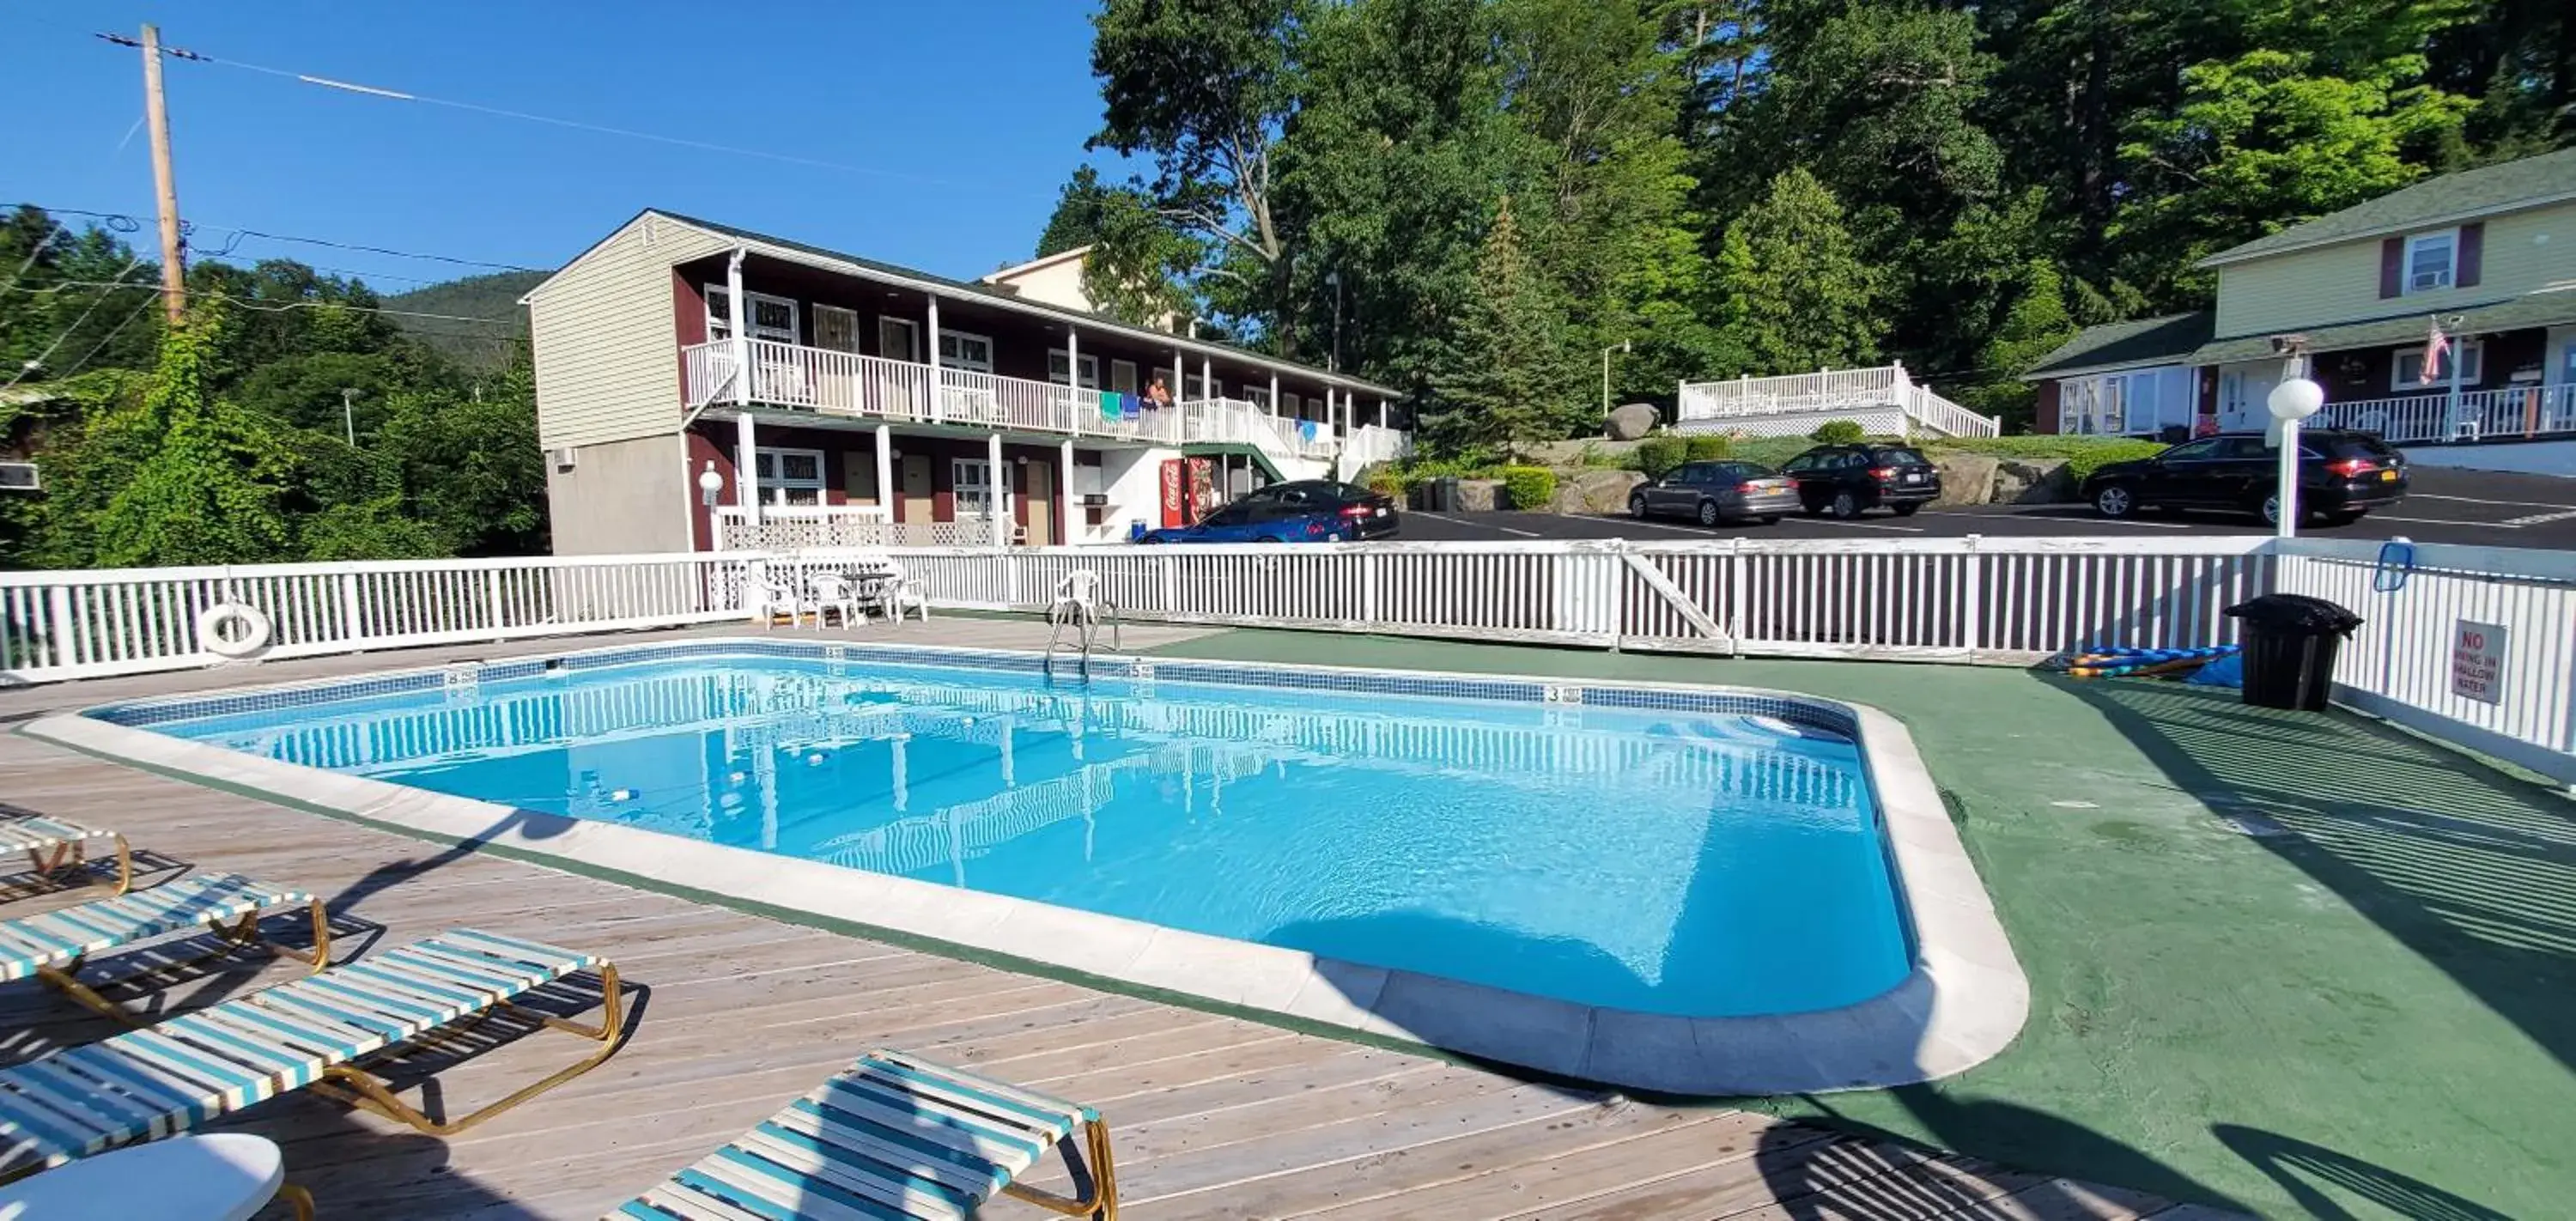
(1175, 487)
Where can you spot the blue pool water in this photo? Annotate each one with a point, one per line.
(1671, 862)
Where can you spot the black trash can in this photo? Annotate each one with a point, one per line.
(2291, 641)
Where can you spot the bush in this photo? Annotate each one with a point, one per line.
(1529, 487)
(1771, 451)
(1709, 447)
(1837, 432)
(1658, 455)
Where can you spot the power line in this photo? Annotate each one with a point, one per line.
(31, 366)
(123, 223)
(138, 311)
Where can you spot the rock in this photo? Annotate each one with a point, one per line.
(1632, 421)
(1966, 479)
(2033, 481)
(1593, 489)
(1480, 495)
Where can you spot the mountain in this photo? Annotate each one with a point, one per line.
(474, 345)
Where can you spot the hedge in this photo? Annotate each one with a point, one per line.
(1837, 432)
(1708, 447)
(1658, 455)
(1529, 487)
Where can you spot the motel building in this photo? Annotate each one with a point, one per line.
(832, 400)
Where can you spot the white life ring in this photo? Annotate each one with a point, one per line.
(232, 630)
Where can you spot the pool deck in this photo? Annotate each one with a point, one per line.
(1211, 1115)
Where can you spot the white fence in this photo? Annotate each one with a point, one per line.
(1883, 401)
(2517, 412)
(1972, 599)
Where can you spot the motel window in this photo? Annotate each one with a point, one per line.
(1194, 387)
(790, 476)
(2408, 373)
(971, 479)
(965, 350)
(2429, 260)
(768, 317)
(1059, 360)
(1122, 376)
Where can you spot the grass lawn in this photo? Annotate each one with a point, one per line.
(2298, 964)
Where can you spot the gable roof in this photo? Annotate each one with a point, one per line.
(2123, 345)
(994, 294)
(1041, 263)
(2467, 195)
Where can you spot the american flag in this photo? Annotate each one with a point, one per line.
(2436, 344)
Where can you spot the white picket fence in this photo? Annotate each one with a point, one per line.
(1970, 599)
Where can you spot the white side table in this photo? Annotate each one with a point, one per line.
(226, 1176)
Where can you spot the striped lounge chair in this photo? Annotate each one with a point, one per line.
(313, 1032)
(53, 845)
(52, 947)
(893, 1137)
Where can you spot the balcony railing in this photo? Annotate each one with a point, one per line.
(1882, 399)
(2518, 411)
(828, 382)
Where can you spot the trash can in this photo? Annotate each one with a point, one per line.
(2290, 645)
(1136, 531)
(1440, 495)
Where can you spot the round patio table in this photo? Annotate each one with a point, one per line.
(226, 1176)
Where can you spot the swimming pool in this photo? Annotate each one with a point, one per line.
(1622, 852)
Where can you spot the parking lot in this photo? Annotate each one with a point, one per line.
(2476, 508)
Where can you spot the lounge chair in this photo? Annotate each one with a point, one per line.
(68, 844)
(315, 1032)
(53, 946)
(893, 1136)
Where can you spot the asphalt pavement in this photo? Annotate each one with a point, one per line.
(2475, 508)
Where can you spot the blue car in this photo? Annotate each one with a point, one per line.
(1259, 521)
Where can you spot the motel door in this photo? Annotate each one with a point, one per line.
(1039, 496)
(916, 487)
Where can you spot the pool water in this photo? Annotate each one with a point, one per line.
(1668, 862)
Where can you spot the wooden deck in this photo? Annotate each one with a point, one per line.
(734, 1014)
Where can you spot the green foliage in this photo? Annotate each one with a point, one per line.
(1657, 456)
(475, 347)
(1504, 382)
(1797, 294)
(1708, 447)
(210, 484)
(2083, 455)
(1529, 487)
(1837, 432)
(2035, 325)
(1771, 451)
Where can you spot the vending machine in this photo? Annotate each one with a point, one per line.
(1175, 493)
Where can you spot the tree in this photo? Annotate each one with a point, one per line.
(1506, 383)
(2034, 326)
(208, 492)
(1794, 292)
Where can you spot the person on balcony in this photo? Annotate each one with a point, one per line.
(1158, 395)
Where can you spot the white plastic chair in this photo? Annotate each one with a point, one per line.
(830, 591)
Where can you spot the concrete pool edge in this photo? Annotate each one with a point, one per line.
(1964, 1001)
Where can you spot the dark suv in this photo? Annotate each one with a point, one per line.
(2342, 475)
(1844, 480)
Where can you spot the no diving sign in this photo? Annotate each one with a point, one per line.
(2477, 661)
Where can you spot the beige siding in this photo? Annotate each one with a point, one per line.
(622, 498)
(2305, 289)
(1058, 284)
(607, 352)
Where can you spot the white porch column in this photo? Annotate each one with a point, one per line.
(1179, 383)
(885, 471)
(937, 401)
(997, 499)
(1274, 394)
(746, 468)
(734, 311)
(1207, 379)
(1073, 378)
(1381, 413)
(1064, 489)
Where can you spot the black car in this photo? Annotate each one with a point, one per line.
(1366, 514)
(2342, 475)
(1711, 492)
(1847, 480)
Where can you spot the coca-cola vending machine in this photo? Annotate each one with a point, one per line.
(1204, 494)
(1175, 486)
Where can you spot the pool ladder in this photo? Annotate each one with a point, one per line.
(1077, 605)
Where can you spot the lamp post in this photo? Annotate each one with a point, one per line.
(1621, 346)
(1333, 364)
(710, 484)
(2291, 401)
(349, 415)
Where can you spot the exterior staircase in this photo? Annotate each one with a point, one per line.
(1883, 401)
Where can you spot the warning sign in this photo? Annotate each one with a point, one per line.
(2477, 662)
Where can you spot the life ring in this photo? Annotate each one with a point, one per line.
(232, 630)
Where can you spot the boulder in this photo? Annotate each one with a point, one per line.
(1966, 479)
(1593, 489)
(2033, 481)
(1632, 421)
(1480, 495)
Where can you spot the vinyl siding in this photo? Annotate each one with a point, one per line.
(606, 346)
(2524, 251)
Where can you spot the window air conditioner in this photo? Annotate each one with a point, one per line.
(19, 477)
(563, 457)
(2430, 279)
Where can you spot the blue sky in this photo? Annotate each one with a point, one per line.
(964, 116)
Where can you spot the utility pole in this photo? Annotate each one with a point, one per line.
(349, 414)
(174, 274)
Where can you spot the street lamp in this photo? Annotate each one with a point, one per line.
(2291, 401)
(349, 415)
(1334, 363)
(710, 484)
(1621, 346)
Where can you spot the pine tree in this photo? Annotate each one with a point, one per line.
(1795, 294)
(1504, 384)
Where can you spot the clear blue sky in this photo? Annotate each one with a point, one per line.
(966, 115)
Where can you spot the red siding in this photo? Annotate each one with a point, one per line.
(2046, 419)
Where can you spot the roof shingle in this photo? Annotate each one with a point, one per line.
(2482, 191)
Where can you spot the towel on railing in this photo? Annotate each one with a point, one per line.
(1109, 406)
(1305, 430)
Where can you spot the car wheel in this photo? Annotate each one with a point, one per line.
(1846, 506)
(1708, 514)
(1907, 510)
(1636, 506)
(2271, 509)
(2114, 500)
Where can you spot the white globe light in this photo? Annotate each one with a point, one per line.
(709, 481)
(2296, 399)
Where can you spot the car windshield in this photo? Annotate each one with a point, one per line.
(1232, 515)
(2359, 445)
(1899, 456)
